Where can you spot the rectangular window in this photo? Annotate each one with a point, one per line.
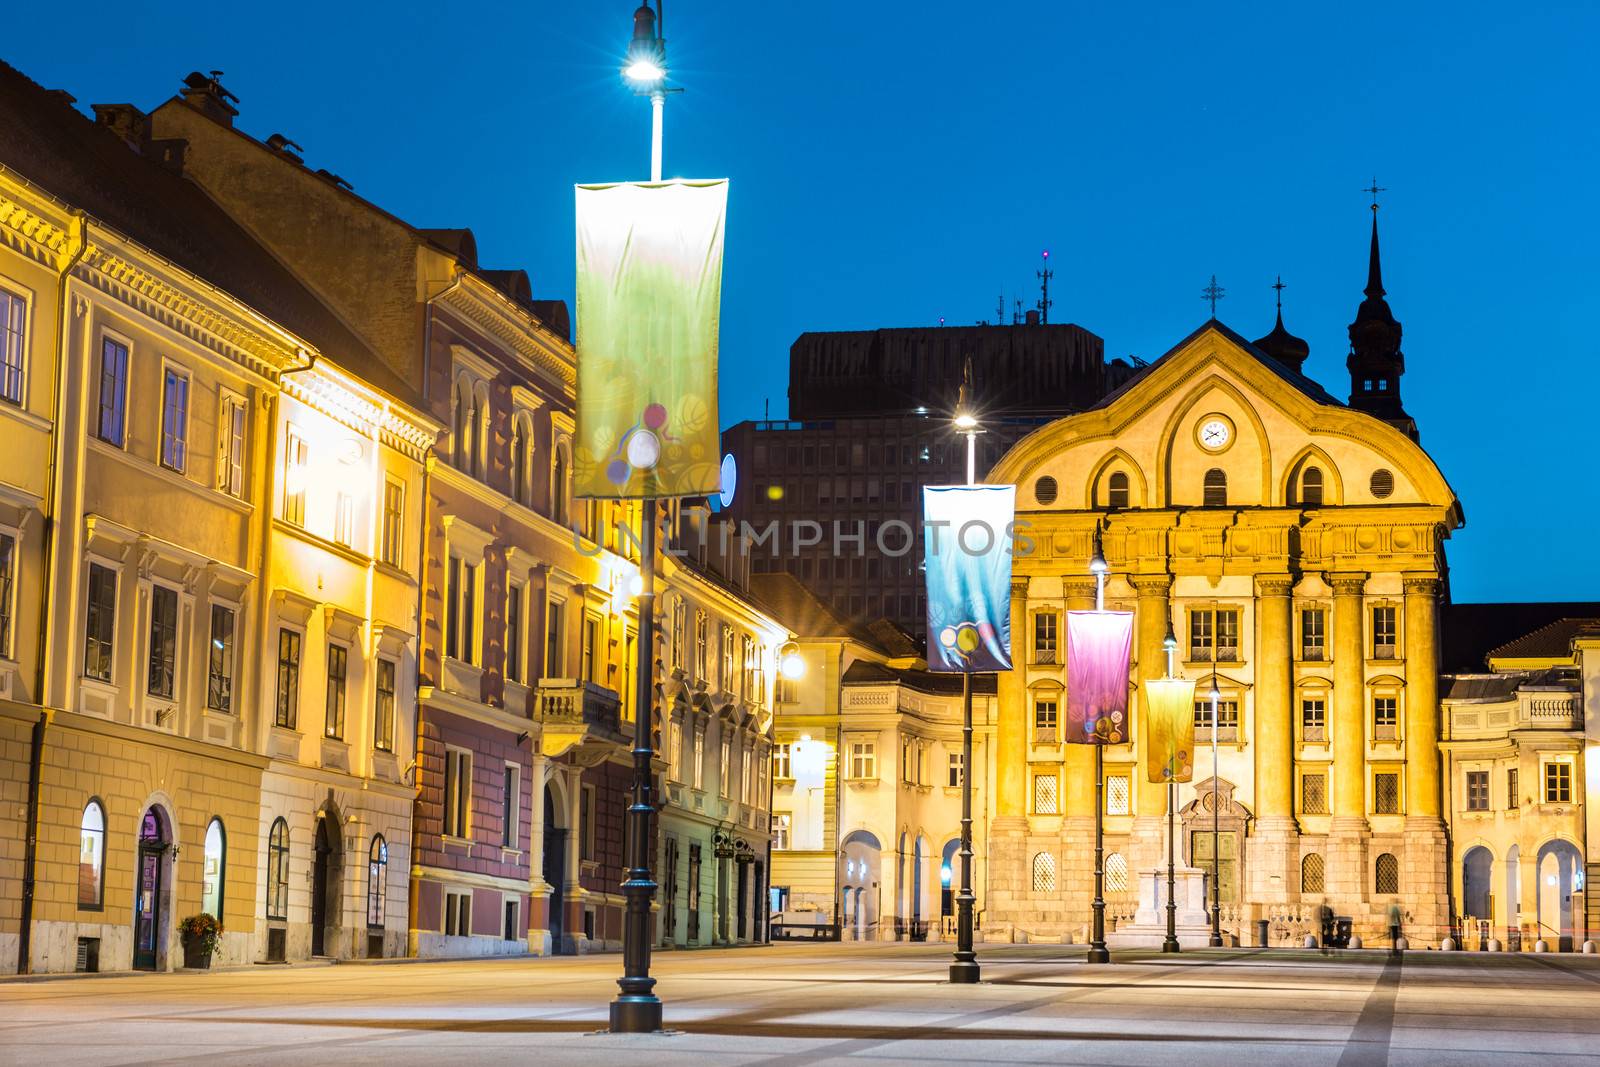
(100, 621)
(174, 419)
(514, 633)
(1558, 783)
(780, 761)
(230, 453)
(1118, 795)
(508, 806)
(294, 479)
(1214, 635)
(1385, 719)
(1044, 793)
(1044, 637)
(163, 640)
(1386, 793)
(457, 914)
(344, 519)
(723, 780)
(219, 670)
(1383, 633)
(555, 661)
(457, 791)
(394, 517)
(863, 760)
(1313, 647)
(8, 582)
(1477, 790)
(1314, 794)
(338, 671)
(462, 593)
(383, 707)
(782, 826)
(679, 632)
(1044, 721)
(726, 679)
(701, 646)
(1313, 719)
(13, 311)
(591, 649)
(288, 704)
(956, 770)
(1227, 716)
(111, 425)
(675, 752)
(1513, 799)
(699, 759)
(747, 781)
(513, 930)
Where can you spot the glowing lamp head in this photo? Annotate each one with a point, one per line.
(646, 66)
(1213, 694)
(965, 420)
(1098, 564)
(944, 874)
(644, 71)
(790, 663)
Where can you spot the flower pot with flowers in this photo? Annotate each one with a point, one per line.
(201, 935)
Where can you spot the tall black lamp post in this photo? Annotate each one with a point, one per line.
(964, 967)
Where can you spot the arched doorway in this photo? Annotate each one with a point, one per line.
(1559, 864)
(862, 859)
(1477, 885)
(1513, 907)
(949, 879)
(555, 871)
(918, 861)
(149, 899)
(326, 870)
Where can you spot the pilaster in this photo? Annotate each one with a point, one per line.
(1011, 726)
(1348, 829)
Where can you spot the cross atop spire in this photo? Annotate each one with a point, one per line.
(1374, 189)
(1280, 287)
(1213, 293)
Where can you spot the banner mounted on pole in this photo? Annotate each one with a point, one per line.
(1098, 646)
(1169, 751)
(967, 561)
(649, 298)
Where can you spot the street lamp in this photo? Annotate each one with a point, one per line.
(1169, 645)
(964, 967)
(637, 1010)
(1098, 952)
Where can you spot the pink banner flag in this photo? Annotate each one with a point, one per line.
(1098, 646)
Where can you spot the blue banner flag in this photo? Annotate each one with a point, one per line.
(967, 554)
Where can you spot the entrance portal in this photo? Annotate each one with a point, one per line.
(149, 916)
(325, 883)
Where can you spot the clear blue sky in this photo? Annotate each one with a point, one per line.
(895, 162)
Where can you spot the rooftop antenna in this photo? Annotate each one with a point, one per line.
(1044, 274)
(1016, 316)
(1000, 311)
(766, 409)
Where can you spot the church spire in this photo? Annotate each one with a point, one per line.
(1376, 362)
(1280, 344)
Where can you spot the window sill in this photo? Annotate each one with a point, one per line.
(448, 841)
(1205, 664)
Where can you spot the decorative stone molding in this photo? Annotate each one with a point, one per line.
(1277, 585)
(1353, 584)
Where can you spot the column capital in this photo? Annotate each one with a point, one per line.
(1151, 585)
(1348, 583)
(1019, 586)
(1420, 584)
(1079, 588)
(1280, 585)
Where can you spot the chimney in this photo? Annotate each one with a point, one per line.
(206, 95)
(286, 148)
(126, 121)
(1031, 317)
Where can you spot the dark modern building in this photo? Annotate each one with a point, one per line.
(870, 424)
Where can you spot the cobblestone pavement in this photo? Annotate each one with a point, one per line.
(818, 1004)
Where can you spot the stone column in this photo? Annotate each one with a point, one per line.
(1274, 850)
(1008, 834)
(1076, 879)
(538, 933)
(1348, 830)
(1424, 874)
(572, 893)
(1148, 845)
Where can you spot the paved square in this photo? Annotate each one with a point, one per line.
(801, 1005)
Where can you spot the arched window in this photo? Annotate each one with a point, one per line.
(1311, 487)
(1311, 869)
(1216, 492)
(214, 869)
(1386, 874)
(519, 464)
(1044, 872)
(558, 484)
(377, 880)
(1116, 873)
(278, 870)
(462, 425)
(1117, 490)
(480, 430)
(92, 855)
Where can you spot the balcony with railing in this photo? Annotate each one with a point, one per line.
(573, 712)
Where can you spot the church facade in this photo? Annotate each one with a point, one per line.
(1294, 544)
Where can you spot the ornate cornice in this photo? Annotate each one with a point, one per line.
(1420, 585)
(518, 330)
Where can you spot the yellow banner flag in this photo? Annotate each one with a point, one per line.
(1169, 733)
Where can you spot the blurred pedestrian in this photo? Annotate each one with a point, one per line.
(1394, 929)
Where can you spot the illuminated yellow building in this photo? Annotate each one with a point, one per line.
(1295, 544)
(193, 469)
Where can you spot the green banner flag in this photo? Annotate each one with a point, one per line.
(649, 297)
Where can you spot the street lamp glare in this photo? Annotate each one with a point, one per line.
(965, 420)
(790, 663)
(644, 71)
(1098, 564)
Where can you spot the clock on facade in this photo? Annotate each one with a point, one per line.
(1215, 433)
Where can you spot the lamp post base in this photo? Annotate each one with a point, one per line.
(636, 1014)
(964, 972)
(1098, 954)
(1169, 945)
